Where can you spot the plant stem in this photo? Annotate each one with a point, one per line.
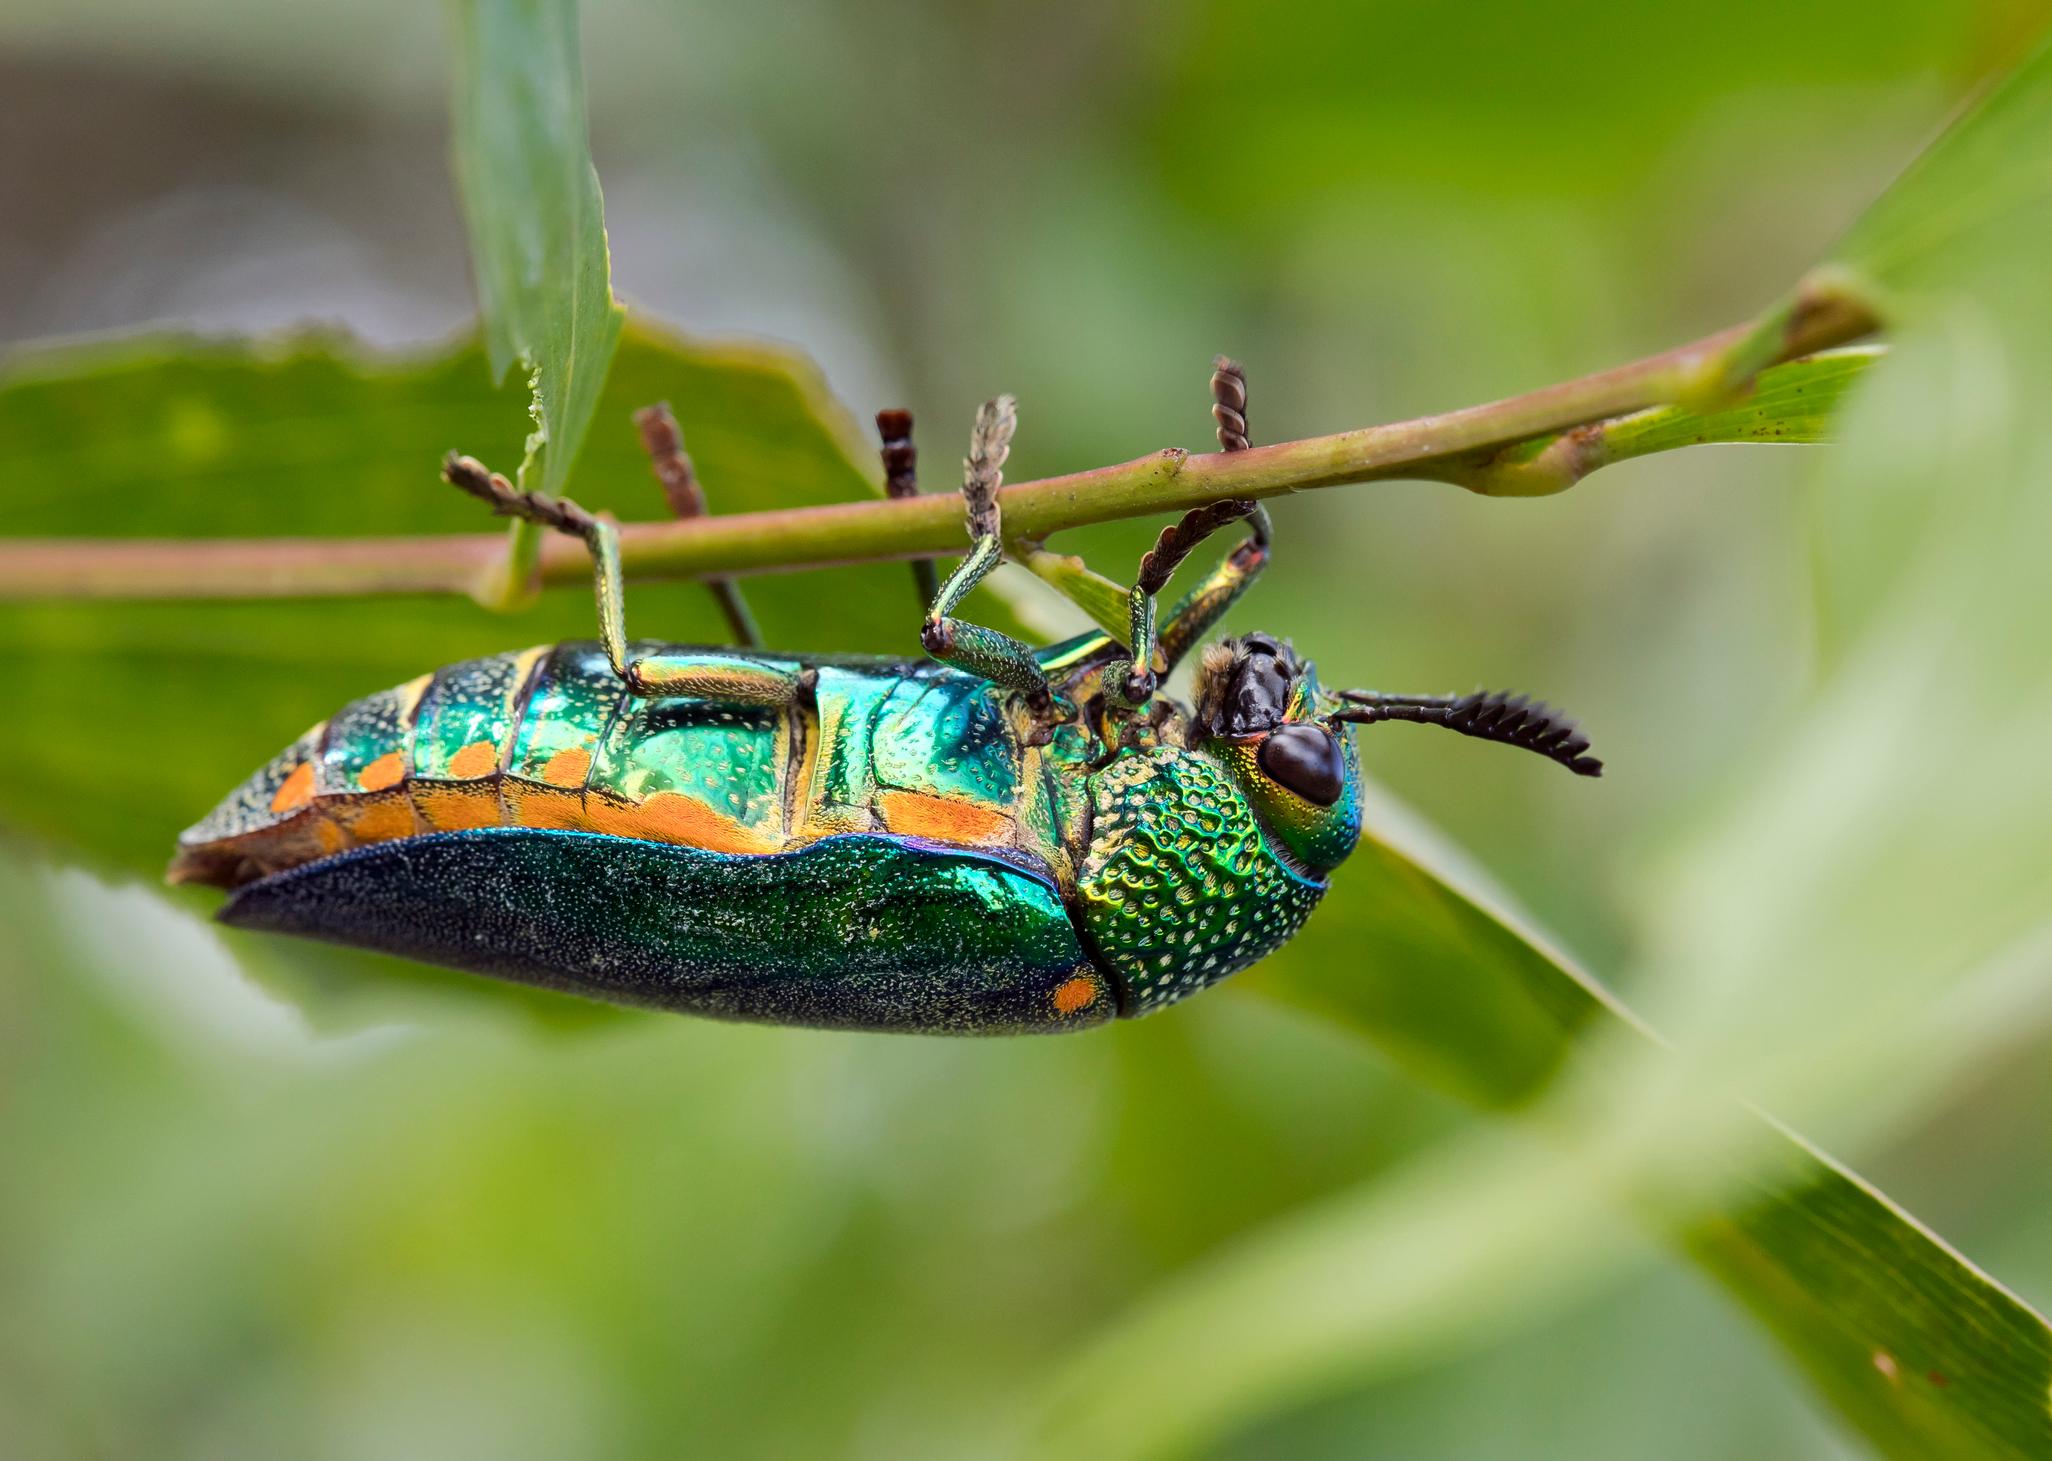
(1443, 447)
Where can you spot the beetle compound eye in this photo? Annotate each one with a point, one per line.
(1307, 761)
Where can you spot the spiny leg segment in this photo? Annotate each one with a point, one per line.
(970, 647)
(673, 472)
(717, 677)
(996, 657)
(1195, 614)
(901, 479)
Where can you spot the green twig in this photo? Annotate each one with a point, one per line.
(1515, 446)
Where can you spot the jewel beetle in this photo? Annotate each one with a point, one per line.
(994, 839)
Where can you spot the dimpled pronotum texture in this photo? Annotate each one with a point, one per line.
(1179, 888)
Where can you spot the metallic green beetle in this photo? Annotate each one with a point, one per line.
(997, 840)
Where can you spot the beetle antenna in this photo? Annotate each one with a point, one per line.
(1489, 715)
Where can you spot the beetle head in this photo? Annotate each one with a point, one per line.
(1260, 710)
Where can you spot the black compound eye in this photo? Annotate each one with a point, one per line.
(1307, 760)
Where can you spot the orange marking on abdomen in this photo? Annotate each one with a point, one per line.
(670, 816)
(479, 758)
(384, 820)
(332, 839)
(384, 773)
(1074, 994)
(567, 768)
(457, 808)
(546, 806)
(295, 791)
(943, 819)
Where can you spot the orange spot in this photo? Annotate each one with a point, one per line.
(1073, 994)
(479, 758)
(943, 819)
(329, 836)
(670, 816)
(384, 821)
(535, 806)
(567, 768)
(456, 808)
(384, 773)
(295, 791)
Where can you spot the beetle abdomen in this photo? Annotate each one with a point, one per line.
(550, 738)
(855, 931)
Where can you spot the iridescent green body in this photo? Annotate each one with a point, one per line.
(826, 840)
(995, 839)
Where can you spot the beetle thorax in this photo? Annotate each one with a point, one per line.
(1179, 886)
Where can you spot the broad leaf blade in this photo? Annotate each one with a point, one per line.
(1797, 933)
(537, 223)
(1983, 182)
(1949, 218)
(1794, 403)
(1915, 1347)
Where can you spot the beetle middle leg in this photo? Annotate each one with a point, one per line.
(664, 442)
(901, 479)
(721, 678)
(995, 656)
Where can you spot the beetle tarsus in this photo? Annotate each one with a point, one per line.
(997, 657)
(470, 475)
(1229, 403)
(901, 479)
(664, 441)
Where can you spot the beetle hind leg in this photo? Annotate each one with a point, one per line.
(664, 442)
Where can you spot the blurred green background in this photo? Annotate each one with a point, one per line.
(228, 1231)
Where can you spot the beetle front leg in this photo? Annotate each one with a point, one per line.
(997, 657)
(1199, 610)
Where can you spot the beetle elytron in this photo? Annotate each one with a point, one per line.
(999, 839)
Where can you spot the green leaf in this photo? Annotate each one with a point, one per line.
(167, 704)
(1856, 921)
(1797, 402)
(1849, 925)
(1870, 1304)
(537, 223)
(144, 714)
(1982, 184)
(1940, 231)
